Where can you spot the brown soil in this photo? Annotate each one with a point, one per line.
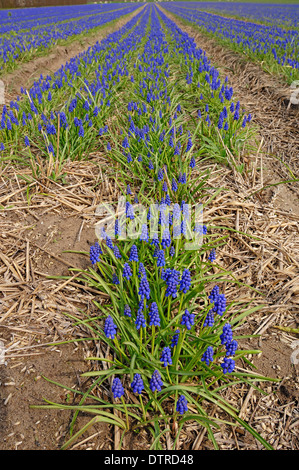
(33, 239)
(23, 385)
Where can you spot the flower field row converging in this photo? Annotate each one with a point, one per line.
(20, 38)
(32, 18)
(273, 44)
(45, 123)
(148, 99)
(281, 14)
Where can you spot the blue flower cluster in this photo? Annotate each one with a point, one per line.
(182, 405)
(84, 110)
(219, 301)
(262, 40)
(154, 296)
(41, 28)
(156, 382)
(166, 356)
(110, 328)
(231, 345)
(188, 319)
(207, 356)
(94, 253)
(154, 315)
(117, 388)
(137, 384)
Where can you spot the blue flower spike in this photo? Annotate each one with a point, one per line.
(156, 382)
(117, 388)
(182, 405)
(137, 384)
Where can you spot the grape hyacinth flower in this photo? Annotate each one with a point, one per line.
(176, 211)
(166, 356)
(117, 228)
(165, 187)
(156, 382)
(220, 304)
(231, 348)
(115, 279)
(189, 145)
(137, 384)
(144, 288)
(134, 254)
(172, 251)
(127, 273)
(141, 270)
(214, 294)
(154, 315)
(228, 365)
(185, 282)
(202, 229)
(144, 233)
(167, 199)
(182, 405)
(183, 179)
(166, 239)
(175, 338)
(207, 356)
(174, 185)
(156, 252)
(140, 320)
(51, 149)
(94, 253)
(172, 281)
(116, 252)
(188, 319)
(192, 163)
(117, 388)
(160, 175)
(130, 212)
(183, 227)
(110, 328)
(161, 259)
(227, 334)
(212, 255)
(109, 243)
(236, 115)
(209, 320)
(127, 311)
(126, 143)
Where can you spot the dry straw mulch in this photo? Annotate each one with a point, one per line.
(263, 255)
(39, 221)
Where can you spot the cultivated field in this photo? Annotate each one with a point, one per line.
(149, 227)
